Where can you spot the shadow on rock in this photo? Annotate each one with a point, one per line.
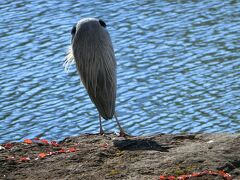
(139, 144)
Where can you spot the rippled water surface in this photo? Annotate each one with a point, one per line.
(178, 67)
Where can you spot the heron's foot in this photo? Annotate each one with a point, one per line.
(101, 132)
(123, 134)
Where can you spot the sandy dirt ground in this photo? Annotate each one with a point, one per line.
(91, 157)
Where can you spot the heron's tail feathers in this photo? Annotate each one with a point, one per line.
(69, 60)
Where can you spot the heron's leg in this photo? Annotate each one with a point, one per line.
(100, 123)
(122, 133)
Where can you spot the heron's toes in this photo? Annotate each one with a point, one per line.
(123, 134)
(101, 132)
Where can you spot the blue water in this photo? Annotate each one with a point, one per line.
(178, 67)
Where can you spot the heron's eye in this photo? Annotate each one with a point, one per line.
(73, 30)
(102, 23)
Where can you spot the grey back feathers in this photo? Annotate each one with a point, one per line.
(94, 56)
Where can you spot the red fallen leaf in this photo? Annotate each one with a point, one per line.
(62, 151)
(223, 174)
(226, 176)
(8, 146)
(195, 174)
(24, 159)
(209, 172)
(44, 141)
(28, 141)
(171, 177)
(42, 155)
(72, 149)
(36, 138)
(167, 178)
(162, 177)
(184, 177)
(54, 143)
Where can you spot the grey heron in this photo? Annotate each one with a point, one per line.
(93, 53)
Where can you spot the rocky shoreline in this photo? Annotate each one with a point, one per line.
(112, 157)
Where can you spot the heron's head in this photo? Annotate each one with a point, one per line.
(87, 36)
(87, 27)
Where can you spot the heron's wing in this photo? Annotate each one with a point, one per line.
(98, 74)
(105, 95)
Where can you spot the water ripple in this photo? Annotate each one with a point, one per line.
(178, 68)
